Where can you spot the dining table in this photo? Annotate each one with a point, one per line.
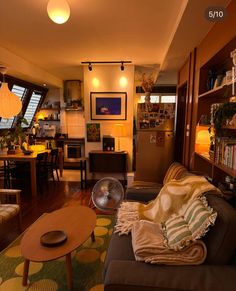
(31, 158)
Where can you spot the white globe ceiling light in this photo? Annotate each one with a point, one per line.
(58, 11)
(10, 104)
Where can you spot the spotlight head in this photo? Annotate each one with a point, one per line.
(122, 66)
(90, 67)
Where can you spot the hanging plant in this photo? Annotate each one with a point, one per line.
(223, 114)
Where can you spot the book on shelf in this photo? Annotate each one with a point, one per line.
(225, 152)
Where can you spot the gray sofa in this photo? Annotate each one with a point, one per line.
(218, 273)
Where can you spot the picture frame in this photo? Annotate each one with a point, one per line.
(93, 132)
(108, 105)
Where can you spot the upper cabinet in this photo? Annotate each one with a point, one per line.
(73, 95)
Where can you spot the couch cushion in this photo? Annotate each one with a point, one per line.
(190, 224)
(175, 171)
(120, 248)
(221, 239)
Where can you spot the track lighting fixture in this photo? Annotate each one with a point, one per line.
(107, 62)
(90, 67)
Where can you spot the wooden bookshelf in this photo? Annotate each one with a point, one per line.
(220, 62)
(214, 166)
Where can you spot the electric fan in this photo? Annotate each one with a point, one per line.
(107, 194)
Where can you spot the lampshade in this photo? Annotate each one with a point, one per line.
(58, 11)
(10, 104)
(202, 139)
(119, 130)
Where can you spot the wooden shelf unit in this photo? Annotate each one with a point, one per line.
(214, 166)
(221, 61)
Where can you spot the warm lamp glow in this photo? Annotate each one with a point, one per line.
(119, 131)
(58, 11)
(96, 82)
(202, 139)
(10, 104)
(123, 82)
(40, 116)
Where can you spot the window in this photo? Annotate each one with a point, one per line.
(154, 99)
(168, 99)
(19, 91)
(32, 107)
(159, 98)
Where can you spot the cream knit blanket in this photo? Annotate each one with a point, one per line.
(172, 197)
(148, 246)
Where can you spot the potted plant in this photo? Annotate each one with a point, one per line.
(222, 115)
(13, 138)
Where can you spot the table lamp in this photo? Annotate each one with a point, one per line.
(202, 139)
(119, 131)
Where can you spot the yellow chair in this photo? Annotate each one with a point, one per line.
(10, 206)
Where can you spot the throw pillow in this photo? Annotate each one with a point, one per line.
(189, 224)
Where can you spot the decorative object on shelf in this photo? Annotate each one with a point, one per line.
(119, 131)
(93, 132)
(223, 115)
(58, 11)
(211, 79)
(233, 121)
(204, 120)
(233, 56)
(10, 104)
(108, 105)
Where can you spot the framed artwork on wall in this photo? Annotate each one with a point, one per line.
(93, 132)
(108, 105)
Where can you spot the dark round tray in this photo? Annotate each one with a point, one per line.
(53, 238)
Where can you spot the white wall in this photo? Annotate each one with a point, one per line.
(108, 80)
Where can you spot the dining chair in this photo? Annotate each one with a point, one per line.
(52, 164)
(41, 164)
(10, 207)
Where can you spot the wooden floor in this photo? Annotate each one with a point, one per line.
(51, 196)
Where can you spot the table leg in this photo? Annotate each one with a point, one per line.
(61, 162)
(81, 174)
(33, 177)
(25, 272)
(69, 271)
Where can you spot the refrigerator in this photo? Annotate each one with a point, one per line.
(155, 138)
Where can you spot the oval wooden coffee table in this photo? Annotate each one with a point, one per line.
(77, 222)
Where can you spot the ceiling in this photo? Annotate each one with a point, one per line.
(160, 32)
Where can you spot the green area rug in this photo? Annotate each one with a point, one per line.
(87, 264)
